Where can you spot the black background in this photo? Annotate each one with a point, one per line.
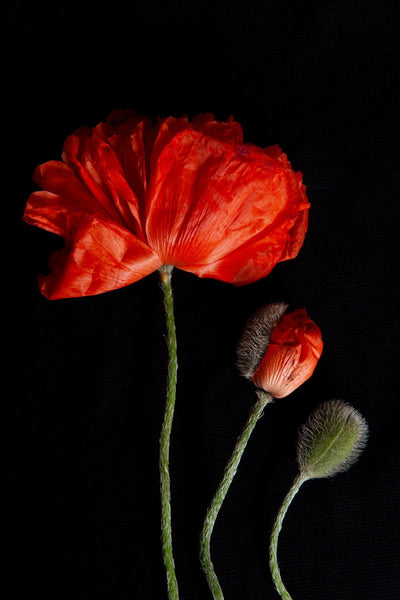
(319, 79)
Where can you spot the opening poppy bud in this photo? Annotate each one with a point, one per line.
(256, 336)
(279, 351)
(331, 440)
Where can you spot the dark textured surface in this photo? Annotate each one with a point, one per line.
(320, 79)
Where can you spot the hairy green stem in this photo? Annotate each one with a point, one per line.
(273, 547)
(229, 473)
(165, 484)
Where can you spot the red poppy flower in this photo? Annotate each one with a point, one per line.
(278, 351)
(130, 196)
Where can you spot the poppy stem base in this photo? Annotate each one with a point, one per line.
(165, 484)
(229, 473)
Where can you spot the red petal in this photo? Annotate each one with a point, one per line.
(297, 328)
(65, 196)
(252, 261)
(163, 133)
(48, 211)
(298, 231)
(208, 200)
(95, 163)
(100, 257)
(226, 131)
(279, 372)
(229, 131)
(131, 137)
(121, 122)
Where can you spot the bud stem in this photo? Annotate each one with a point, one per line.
(165, 486)
(229, 473)
(273, 547)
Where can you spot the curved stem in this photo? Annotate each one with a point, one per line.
(230, 470)
(165, 485)
(273, 547)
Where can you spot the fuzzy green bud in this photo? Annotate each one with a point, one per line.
(331, 440)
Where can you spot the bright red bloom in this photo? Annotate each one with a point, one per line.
(130, 196)
(291, 355)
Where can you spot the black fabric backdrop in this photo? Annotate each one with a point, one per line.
(319, 79)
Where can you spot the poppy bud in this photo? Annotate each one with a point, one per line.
(279, 351)
(331, 440)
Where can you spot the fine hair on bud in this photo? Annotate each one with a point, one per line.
(256, 336)
(331, 440)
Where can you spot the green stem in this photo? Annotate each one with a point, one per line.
(230, 470)
(165, 485)
(273, 547)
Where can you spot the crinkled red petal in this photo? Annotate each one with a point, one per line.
(131, 138)
(97, 166)
(229, 131)
(65, 197)
(99, 257)
(209, 201)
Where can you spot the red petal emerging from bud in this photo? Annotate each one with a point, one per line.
(291, 356)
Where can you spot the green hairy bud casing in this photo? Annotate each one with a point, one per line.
(331, 440)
